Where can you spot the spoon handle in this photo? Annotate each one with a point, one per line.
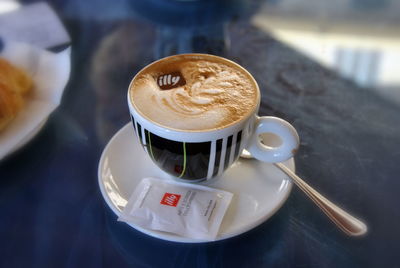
(346, 222)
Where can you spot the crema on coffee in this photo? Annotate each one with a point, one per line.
(194, 92)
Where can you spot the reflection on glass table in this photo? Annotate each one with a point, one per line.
(358, 39)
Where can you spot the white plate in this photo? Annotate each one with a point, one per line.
(259, 189)
(50, 73)
(28, 137)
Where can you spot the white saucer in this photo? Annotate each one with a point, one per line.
(259, 189)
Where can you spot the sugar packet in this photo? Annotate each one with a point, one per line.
(188, 210)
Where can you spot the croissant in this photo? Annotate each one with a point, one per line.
(14, 86)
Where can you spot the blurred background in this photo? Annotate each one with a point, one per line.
(358, 39)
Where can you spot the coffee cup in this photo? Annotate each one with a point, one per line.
(194, 114)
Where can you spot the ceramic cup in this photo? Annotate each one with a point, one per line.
(195, 156)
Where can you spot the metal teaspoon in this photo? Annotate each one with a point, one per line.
(346, 222)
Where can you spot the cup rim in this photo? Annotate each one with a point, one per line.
(250, 113)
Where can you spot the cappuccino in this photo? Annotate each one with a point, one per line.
(194, 92)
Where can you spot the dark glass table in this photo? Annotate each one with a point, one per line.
(328, 68)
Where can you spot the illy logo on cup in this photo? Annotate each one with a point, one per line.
(170, 199)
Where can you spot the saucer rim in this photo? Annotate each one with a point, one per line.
(173, 237)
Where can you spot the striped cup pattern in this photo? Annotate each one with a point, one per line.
(191, 161)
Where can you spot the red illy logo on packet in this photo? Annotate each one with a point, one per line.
(170, 199)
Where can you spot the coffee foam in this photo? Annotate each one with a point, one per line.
(216, 93)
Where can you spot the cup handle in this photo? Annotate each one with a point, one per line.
(286, 132)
